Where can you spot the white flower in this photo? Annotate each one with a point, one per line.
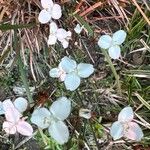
(78, 29)
(85, 113)
(73, 72)
(125, 126)
(53, 119)
(113, 43)
(50, 10)
(14, 123)
(59, 34)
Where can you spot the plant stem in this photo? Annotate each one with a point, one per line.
(113, 70)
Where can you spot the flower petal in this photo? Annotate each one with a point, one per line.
(7, 104)
(47, 3)
(114, 52)
(41, 117)
(59, 131)
(61, 34)
(72, 81)
(21, 104)
(134, 132)
(53, 28)
(116, 130)
(78, 29)
(52, 39)
(24, 128)
(119, 37)
(85, 70)
(1, 108)
(105, 41)
(44, 16)
(61, 108)
(67, 64)
(54, 73)
(56, 11)
(65, 43)
(12, 115)
(126, 114)
(9, 127)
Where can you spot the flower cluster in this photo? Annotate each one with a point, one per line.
(13, 114)
(53, 119)
(70, 72)
(53, 11)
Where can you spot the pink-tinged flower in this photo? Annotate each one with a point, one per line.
(125, 127)
(50, 10)
(14, 123)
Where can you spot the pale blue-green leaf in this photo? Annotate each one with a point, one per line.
(85, 70)
(114, 52)
(72, 81)
(126, 114)
(41, 117)
(54, 73)
(61, 108)
(59, 131)
(21, 104)
(67, 64)
(116, 130)
(134, 132)
(119, 37)
(105, 41)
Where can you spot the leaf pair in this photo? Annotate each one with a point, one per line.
(53, 119)
(71, 73)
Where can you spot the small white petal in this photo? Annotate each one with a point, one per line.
(44, 16)
(53, 28)
(78, 29)
(114, 52)
(21, 104)
(119, 37)
(72, 81)
(134, 132)
(41, 117)
(1, 109)
(54, 73)
(105, 41)
(56, 11)
(9, 127)
(116, 130)
(61, 34)
(59, 131)
(85, 70)
(67, 64)
(65, 43)
(61, 108)
(7, 104)
(126, 115)
(47, 3)
(85, 113)
(52, 39)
